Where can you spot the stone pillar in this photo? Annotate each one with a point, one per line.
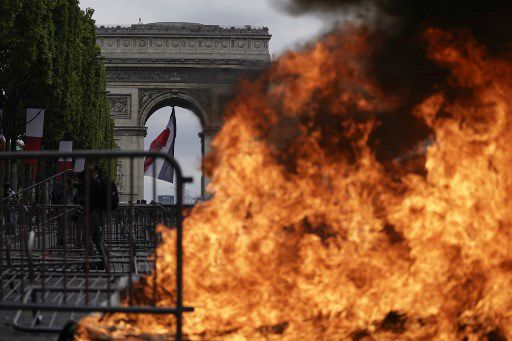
(206, 144)
(209, 133)
(130, 138)
(203, 192)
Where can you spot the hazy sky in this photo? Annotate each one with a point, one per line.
(287, 32)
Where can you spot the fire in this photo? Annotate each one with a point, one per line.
(309, 236)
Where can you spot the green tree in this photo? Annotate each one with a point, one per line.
(26, 58)
(49, 59)
(98, 126)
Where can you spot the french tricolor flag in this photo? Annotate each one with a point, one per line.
(66, 145)
(34, 131)
(164, 143)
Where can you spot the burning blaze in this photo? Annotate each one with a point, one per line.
(310, 236)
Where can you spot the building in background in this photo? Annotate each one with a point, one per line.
(193, 66)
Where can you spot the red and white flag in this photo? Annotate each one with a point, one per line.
(79, 165)
(34, 131)
(164, 143)
(65, 163)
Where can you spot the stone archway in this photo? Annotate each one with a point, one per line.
(154, 100)
(150, 100)
(190, 65)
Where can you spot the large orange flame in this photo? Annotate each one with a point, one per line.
(308, 236)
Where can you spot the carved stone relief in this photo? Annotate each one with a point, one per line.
(146, 95)
(182, 45)
(120, 106)
(184, 29)
(175, 75)
(202, 96)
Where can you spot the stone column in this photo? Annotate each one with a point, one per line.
(209, 133)
(203, 192)
(207, 136)
(130, 139)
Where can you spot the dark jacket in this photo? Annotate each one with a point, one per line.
(95, 193)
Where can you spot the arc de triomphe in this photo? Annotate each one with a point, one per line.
(194, 66)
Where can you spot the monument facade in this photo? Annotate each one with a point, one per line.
(194, 66)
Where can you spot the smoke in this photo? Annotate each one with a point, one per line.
(399, 62)
(488, 20)
(329, 7)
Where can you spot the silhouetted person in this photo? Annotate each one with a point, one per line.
(10, 200)
(96, 210)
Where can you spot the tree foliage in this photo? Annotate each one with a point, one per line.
(49, 59)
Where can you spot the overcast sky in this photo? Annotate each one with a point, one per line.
(287, 32)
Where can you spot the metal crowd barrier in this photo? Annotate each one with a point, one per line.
(44, 190)
(61, 260)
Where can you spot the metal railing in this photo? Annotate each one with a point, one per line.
(44, 186)
(75, 257)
